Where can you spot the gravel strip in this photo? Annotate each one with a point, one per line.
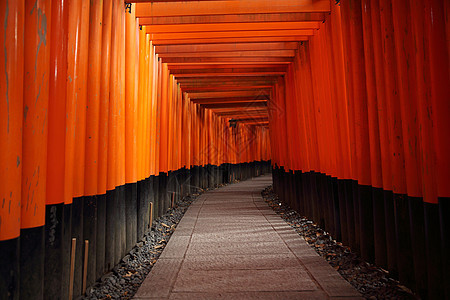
(371, 281)
(127, 276)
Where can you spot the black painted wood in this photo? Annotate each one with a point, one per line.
(391, 242)
(101, 236)
(90, 234)
(379, 228)
(110, 230)
(10, 269)
(54, 215)
(77, 232)
(366, 227)
(418, 244)
(32, 255)
(434, 254)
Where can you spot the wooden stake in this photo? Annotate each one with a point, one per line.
(151, 215)
(72, 267)
(86, 254)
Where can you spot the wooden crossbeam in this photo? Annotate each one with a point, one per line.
(236, 18)
(230, 7)
(223, 40)
(232, 74)
(157, 37)
(203, 95)
(227, 70)
(210, 88)
(226, 47)
(226, 60)
(261, 53)
(217, 27)
(220, 78)
(230, 99)
(250, 104)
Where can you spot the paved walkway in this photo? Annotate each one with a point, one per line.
(231, 245)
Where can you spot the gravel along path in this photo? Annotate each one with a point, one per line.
(124, 280)
(371, 281)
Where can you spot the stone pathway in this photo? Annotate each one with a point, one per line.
(231, 245)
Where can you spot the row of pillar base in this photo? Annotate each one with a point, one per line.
(36, 265)
(402, 234)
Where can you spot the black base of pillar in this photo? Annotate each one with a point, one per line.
(32, 256)
(110, 230)
(101, 236)
(418, 244)
(77, 232)
(434, 254)
(10, 270)
(54, 215)
(131, 210)
(379, 228)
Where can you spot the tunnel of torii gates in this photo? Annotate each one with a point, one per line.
(109, 112)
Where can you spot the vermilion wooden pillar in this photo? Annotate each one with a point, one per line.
(34, 145)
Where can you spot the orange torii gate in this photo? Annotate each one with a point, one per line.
(108, 107)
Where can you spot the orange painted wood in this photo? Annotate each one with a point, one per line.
(146, 109)
(261, 53)
(153, 115)
(136, 91)
(173, 68)
(221, 78)
(397, 158)
(212, 88)
(122, 105)
(344, 159)
(157, 37)
(436, 24)
(35, 109)
(170, 121)
(81, 94)
(73, 56)
(236, 71)
(234, 18)
(230, 74)
(234, 100)
(299, 114)
(230, 7)
(424, 106)
(381, 104)
(93, 99)
(227, 94)
(235, 105)
(176, 28)
(158, 117)
(151, 111)
(163, 155)
(11, 116)
(226, 47)
(227, 40)
(130, 98)
(359, 97)
(407, 97)
(114, 101)
(57, 103)
(226, 60)
(105, 68)
(346, 38)
(141, 97)
(310, 108)
(320, 105)
(179, 119)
